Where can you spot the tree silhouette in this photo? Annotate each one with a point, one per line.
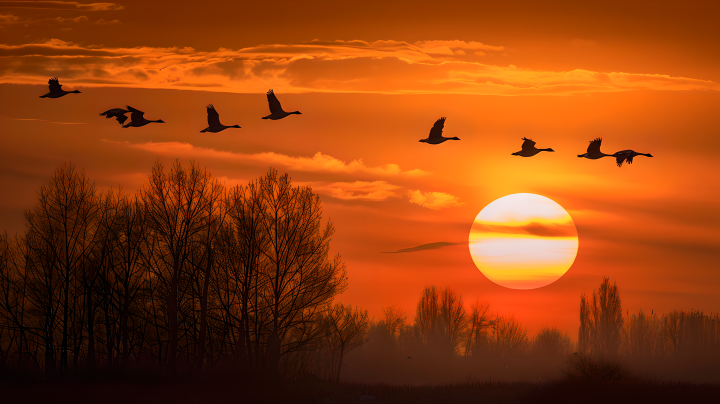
(601, 321)
(348, 330)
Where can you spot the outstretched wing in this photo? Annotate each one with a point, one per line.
(213, 116)
(136, 114)
(594, 146)
(437, 129)
(54, 85)
(275, 107)
(528, 144)
(622, 156)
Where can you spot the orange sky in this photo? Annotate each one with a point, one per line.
(370, 81)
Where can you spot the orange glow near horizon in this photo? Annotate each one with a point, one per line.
(523, 241)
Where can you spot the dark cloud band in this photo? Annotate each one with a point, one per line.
(423, 247)
(61, 5)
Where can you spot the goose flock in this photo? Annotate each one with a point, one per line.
(137, 119)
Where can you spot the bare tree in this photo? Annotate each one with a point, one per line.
(348, 330)
(178, 209)
(301, 279)
(550, 341)
(426, 314)
(59, 230)
(453, 319)
(241, 249)
(509, 336)
(480, 321)
(601, 321)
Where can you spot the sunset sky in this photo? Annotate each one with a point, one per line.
(370, 79)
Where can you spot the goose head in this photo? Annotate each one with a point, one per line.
(423, 140)
(74, 91)
(549, 149)
(160, 121)
(454, 138)
(236, 126)
(296, 112)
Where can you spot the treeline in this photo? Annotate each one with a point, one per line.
(444, 326)
(184, 275)
(604, 331)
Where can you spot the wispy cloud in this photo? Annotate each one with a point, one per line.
(429, 67)
(423, 247)
(361, 190)
(318, 163)
(42, 120)
(532, 228)
(433, 200)
(61, 5)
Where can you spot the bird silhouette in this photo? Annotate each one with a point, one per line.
(593, 151)
(276, 111)
(436, 136)
(529, 149)
(137, 118)
(117, 113)
(56, 90)
(214, 124)
(628, 155)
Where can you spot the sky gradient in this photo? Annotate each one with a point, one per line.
(370, 81)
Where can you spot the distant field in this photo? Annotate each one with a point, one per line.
(316, 391)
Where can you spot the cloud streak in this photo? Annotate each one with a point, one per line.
(42, 120)
(318, 163)
(358, 190)
(61, 5)
(423, 247)
(433, 200)
(532, 228)
(391, 67)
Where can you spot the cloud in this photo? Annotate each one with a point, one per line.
(42, 120)
(433, 200)
(61, 5)
(423, 247)
(362, 190)
(8, 19)
(107, 22)
(79, 19)
(389, 67)
(532, 228)
(318, 163)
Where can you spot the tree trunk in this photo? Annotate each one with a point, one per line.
(241, 355)
(274, 353)
(203, 312)
(172, 318)
(109, 337)
(66, 308)
(124, 330)
(91, 331)
(337, 378)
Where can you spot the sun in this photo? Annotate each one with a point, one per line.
(523, 241)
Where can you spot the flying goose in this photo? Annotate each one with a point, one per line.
(529, 149)
(276, 111)
(55, 89)
(137, 119)
(628, 155)
(214, 124)
(436, 136)
(117, 113)
(593, 151)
